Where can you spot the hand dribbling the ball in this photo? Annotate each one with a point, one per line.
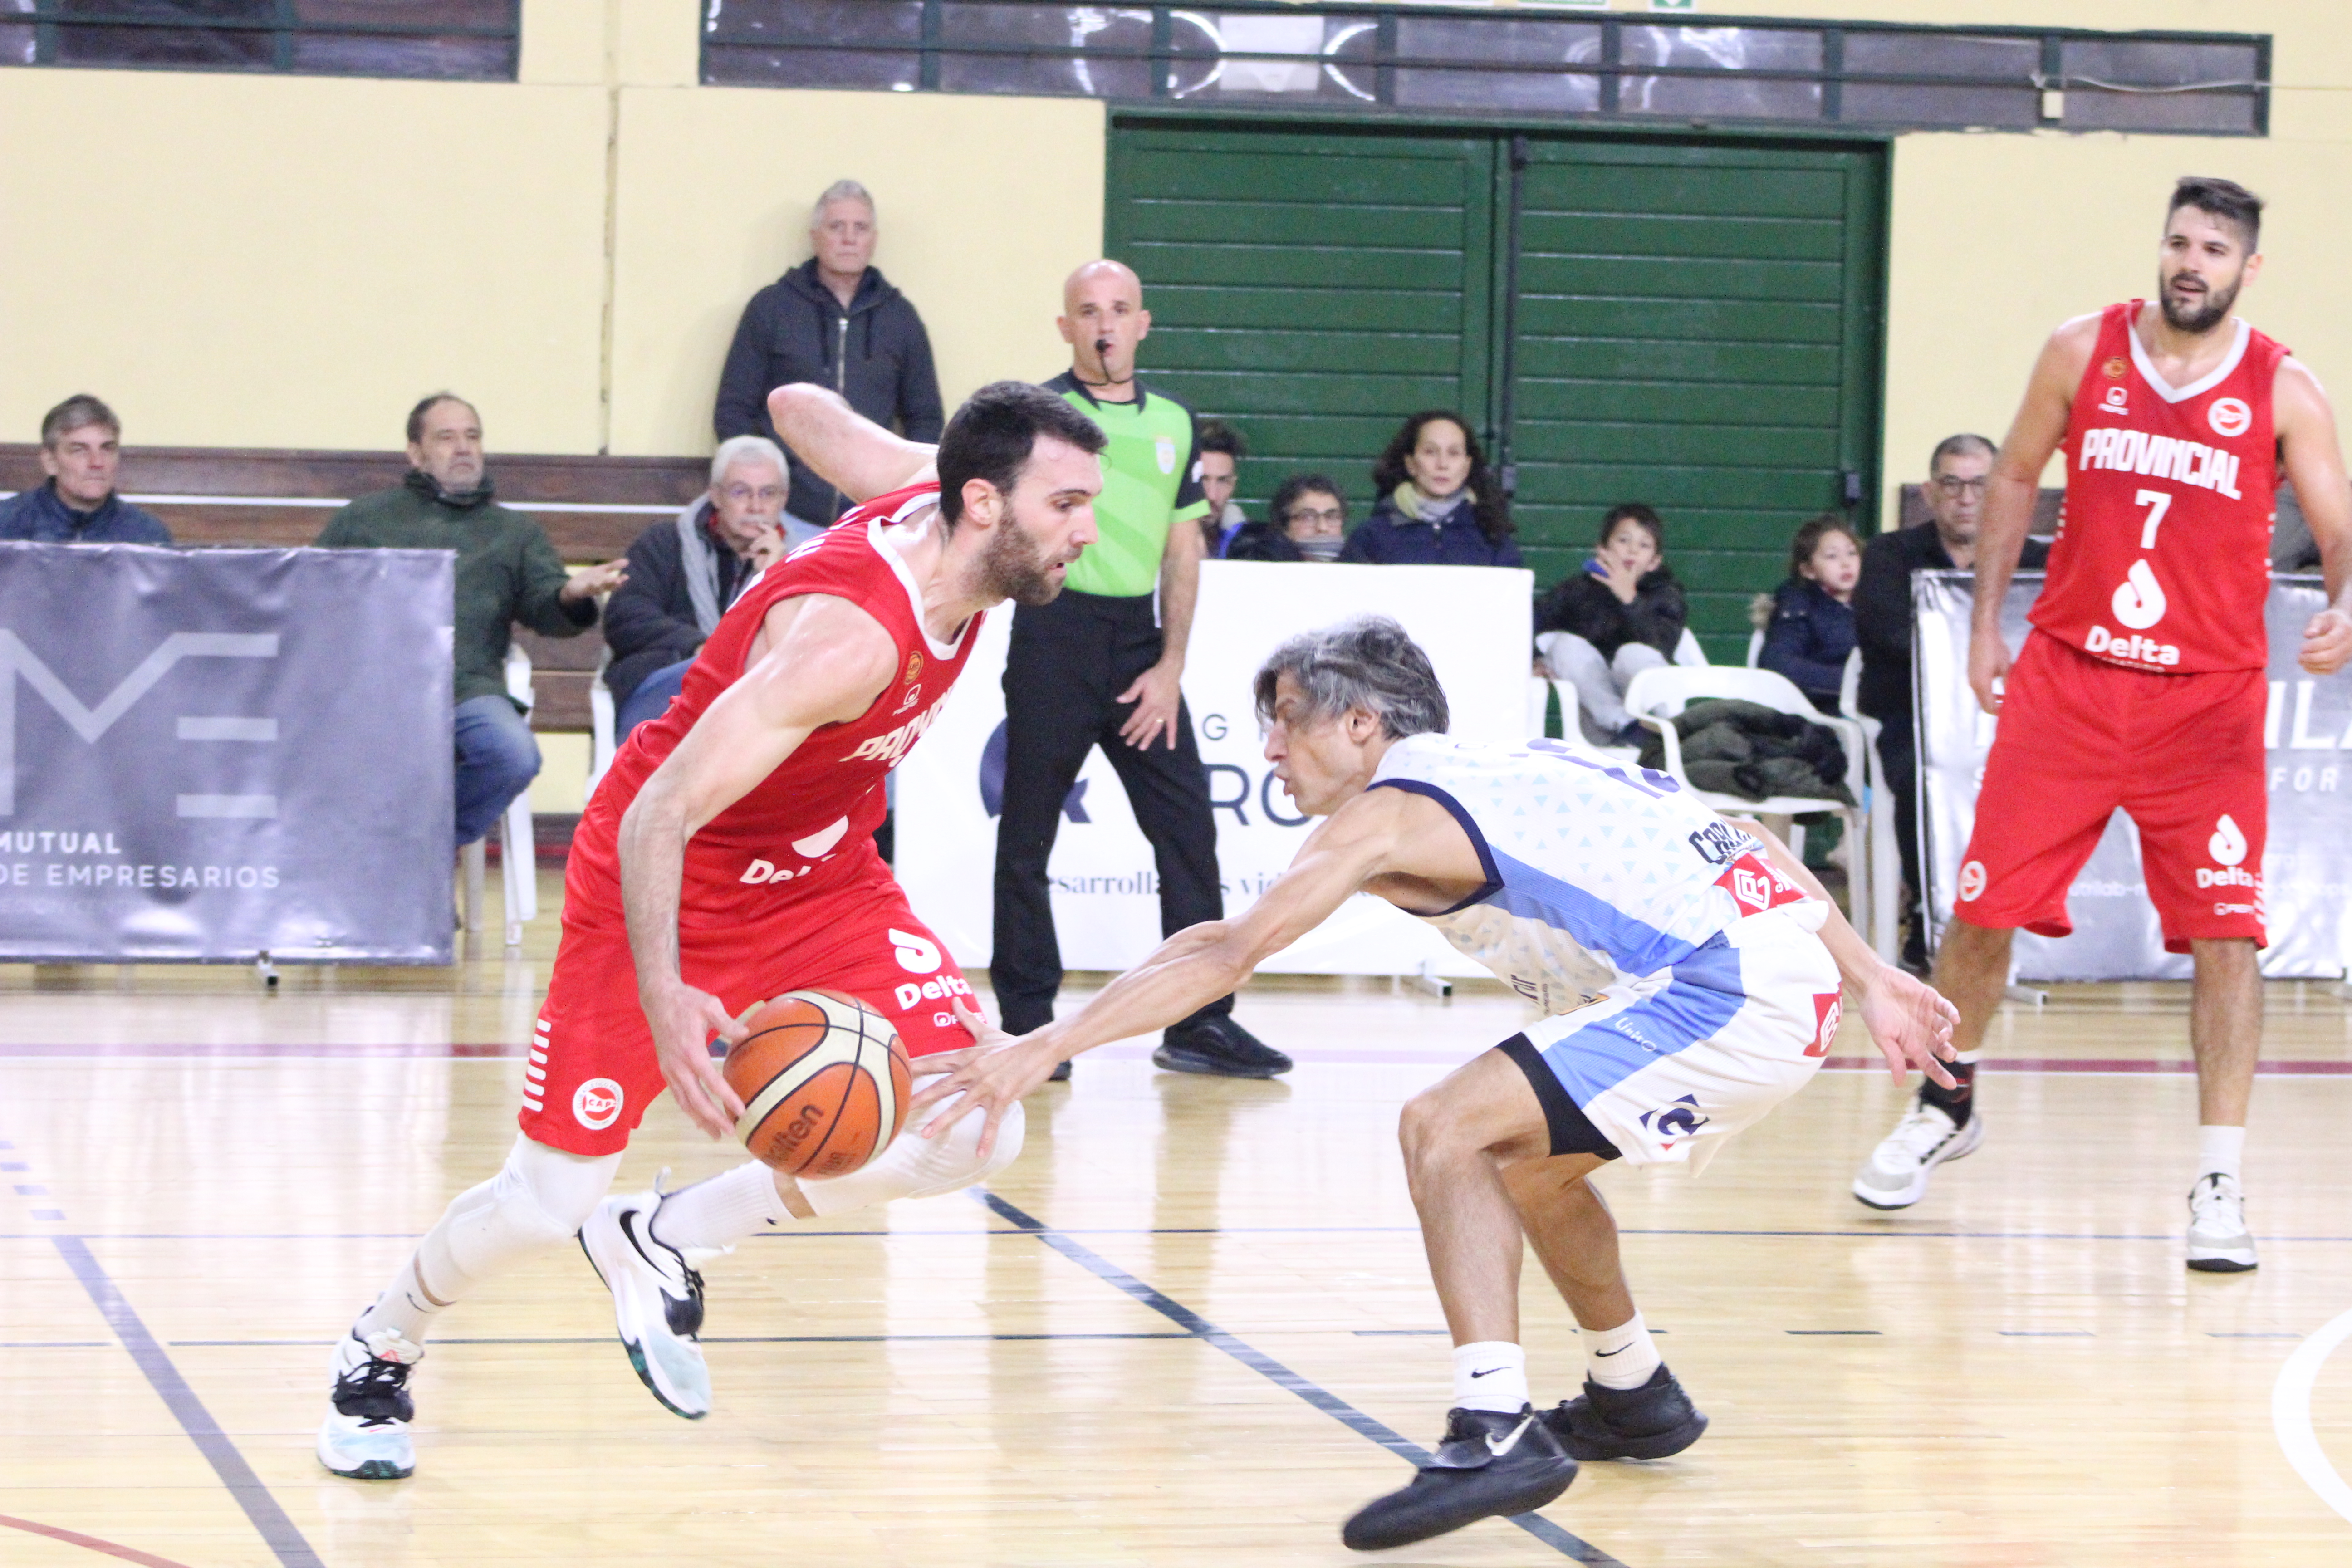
(997, 1072)
(683, 1020)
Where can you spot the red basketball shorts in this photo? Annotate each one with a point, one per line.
(592, 1071)
(2078, 738)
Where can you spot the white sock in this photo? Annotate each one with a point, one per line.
(722, 1211)
(1491, 1374)
(405, 1307)
(1622, 1357)
(2219, 1148)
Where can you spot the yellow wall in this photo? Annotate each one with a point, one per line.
(262, 261)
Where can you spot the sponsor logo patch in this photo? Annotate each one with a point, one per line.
(1673, 1123)
(1828, 1011)
(2230, 416)
(1756, 885)
(596, 1104)
(1972, 881)
(2115, 367)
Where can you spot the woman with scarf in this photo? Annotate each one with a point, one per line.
(1303, 524)
(1439, 505)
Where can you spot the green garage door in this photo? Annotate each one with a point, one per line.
(1697, 325)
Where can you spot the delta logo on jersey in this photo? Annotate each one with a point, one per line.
(1756, 885)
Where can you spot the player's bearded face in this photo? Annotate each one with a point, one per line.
(1016, 566)
(2193, 299)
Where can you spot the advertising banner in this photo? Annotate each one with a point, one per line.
(2306, 870)
(1473, 622)
(211, 754)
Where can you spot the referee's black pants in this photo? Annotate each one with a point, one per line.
(1068, 662)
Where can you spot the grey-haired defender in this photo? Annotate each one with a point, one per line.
(1687, 969)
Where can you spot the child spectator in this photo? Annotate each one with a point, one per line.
(1439, 505)
(1812, 613)
(1304, 522)
(1623, 614)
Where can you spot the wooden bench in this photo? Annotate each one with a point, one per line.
(593, 508)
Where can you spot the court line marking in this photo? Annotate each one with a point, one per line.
(2291, 1414)
(284, 1539)
(89, 1542)
(1573, 1547)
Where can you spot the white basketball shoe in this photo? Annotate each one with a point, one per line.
(656, 1301)
(365, 1436)
(1896, 1175)
(2219, 1241)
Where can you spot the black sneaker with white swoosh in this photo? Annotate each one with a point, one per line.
(1489, 1465)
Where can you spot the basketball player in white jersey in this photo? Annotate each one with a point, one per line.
(2144, 684)
(1688, 972)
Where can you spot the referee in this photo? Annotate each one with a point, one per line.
(1097, 666)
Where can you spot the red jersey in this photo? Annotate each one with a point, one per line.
(809, 826)
(2162, 561)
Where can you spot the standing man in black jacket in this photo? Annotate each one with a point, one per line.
(835, 320)
(1882, 625)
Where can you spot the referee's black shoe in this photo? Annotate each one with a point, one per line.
(1489, 1465)
(1218, 1047)
(1646, 1423)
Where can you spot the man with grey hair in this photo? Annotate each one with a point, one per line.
(685, 572)
(1688, 968)
(1947, 542)
(835, 320)
(81, 445)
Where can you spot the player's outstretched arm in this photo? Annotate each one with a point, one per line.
(2313, 460)
(1909, 1021)
(2010, 490)
(849, 451)
(1191, 969)
(825, 663)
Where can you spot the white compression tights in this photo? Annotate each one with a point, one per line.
(539, 1198)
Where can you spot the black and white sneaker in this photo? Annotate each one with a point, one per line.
(656, 1301)
(1646, 1423)
(1218, 1048)
(1489, 1465)
(365, 1436)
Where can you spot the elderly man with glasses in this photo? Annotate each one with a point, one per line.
(684, 573)
(1955, 493)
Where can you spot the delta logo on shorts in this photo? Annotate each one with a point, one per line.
(1680, 1120)
(596, 1104)
(1756, 885)
(1829, 1012)
(2227, 847)
(1972, 881)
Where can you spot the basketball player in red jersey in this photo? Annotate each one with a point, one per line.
(2143, 683)
(729, 856)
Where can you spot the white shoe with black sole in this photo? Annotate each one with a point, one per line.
(365, 1434)
(2219, 1241)
(1896, 1175)
(656, 1301)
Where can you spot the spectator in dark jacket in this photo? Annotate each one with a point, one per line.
(1219, 449)
(1305, 522)
(1623, 613)
(81, 445)
(1438, 504)
(683, 574)
(1811, 634)
(1882, 625)
(835, 320)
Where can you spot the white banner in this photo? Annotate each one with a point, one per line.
(1476, 625)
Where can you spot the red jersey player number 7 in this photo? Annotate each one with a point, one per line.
(2093, 391)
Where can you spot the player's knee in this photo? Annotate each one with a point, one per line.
(550, 1194)
(1425, 1126)
(953, 1162)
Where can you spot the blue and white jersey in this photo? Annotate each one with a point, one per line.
(1596, 873)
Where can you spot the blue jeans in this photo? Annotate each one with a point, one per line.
(497, 759)
(651, 697)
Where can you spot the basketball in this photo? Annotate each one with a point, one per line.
(824, 1082)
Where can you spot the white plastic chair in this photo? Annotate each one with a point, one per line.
(517, 855)
(1658, 696)
(1878, 808)
(601, 743)
(1540, 688)
(1755, 648)
(1688, 654)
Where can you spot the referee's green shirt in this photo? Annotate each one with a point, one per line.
(1151, 481)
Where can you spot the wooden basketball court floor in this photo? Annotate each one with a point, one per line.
(1180, 1330)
